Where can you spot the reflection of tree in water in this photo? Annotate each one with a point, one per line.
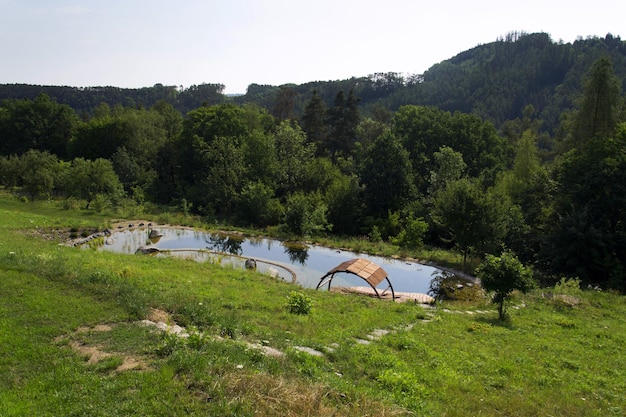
(297, 253)
(256, 241)
(225, 243)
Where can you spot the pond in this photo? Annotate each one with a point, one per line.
(308, 262)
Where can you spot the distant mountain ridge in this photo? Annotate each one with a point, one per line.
(495, 81)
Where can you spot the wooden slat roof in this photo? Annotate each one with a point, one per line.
(365, 269)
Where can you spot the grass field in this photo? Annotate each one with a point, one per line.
(70, 344)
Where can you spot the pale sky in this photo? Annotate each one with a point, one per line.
(139, 43)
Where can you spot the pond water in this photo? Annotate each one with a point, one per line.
(308, 262)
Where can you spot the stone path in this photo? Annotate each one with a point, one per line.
(264, 347)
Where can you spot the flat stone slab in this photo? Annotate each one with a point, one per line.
(269, 351)
(377, 334)
(308, 350)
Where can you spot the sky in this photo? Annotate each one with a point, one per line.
(139, 43)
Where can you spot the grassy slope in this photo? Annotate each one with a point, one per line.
(549, 359)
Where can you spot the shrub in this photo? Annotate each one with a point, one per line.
(568, 286)
(299, 303)
(195, 314)
(412, 235)
(503, 274)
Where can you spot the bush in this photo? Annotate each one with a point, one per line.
(299, 303)
(195, 314)
(503, 274)
(412, 235)
(568, 287)
(306, 214)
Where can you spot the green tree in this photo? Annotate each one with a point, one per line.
(474, 220)
(387, 176)
(40, 124)
(217, 186)
(448, 166)
(284, 104)
(424, 130)
(208, 162)
(345, 206)
(260, 158)
(598, 111)
(343, 120)
(412, 233)
(91, 178)
(171, 118)
(586, 236)
(258, 206)
(503, 274)
(305, 214)
(37, 173)
(294, 154)
(314, 123)
(9, 171)
(528, 185)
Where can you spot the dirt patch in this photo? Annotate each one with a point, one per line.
(157, 316)
(96, 328)
(94, 353)
(97, 353)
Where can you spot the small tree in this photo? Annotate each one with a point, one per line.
(37, 172)
(90, 178)
(503, 274)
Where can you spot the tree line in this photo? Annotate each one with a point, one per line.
(419, 175)
(496, 81)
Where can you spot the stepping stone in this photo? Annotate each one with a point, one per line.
(377, 334)
(270, 351)
(308, 350)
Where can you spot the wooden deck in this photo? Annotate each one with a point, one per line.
(401, 297)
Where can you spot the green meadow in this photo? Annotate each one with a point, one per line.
(71, 342)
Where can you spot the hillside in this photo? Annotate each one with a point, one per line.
(73, 340)
(495, 81)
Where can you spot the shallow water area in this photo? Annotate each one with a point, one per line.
(308, 262)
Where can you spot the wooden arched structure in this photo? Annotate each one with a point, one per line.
(368, 270)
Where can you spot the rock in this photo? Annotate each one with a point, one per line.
(273, 272)
(308, 350)
(250, 264)
(155, 234)
(146, 250)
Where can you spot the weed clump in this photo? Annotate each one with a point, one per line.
(299, 303)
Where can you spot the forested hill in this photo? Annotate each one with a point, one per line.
(84, 100)
(495, 81)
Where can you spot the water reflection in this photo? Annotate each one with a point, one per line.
(222, 242)
(310, 263)
(296, 253)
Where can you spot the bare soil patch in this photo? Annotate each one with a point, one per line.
(98, 353)
(157, 316)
